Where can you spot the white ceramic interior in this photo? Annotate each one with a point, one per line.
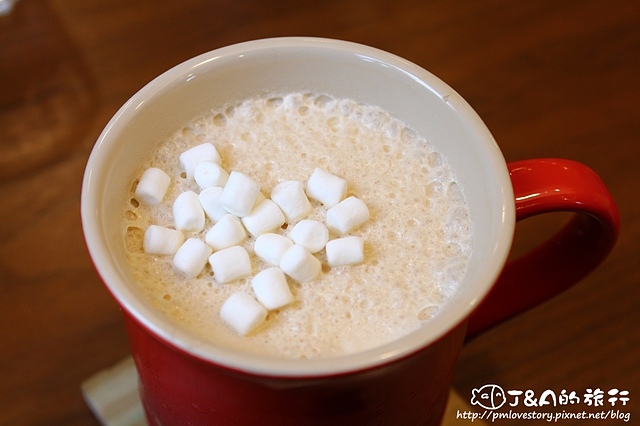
(335, 67)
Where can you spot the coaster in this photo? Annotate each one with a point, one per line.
(112, 396)
(458, 410)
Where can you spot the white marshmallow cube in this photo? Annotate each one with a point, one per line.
(239, 194)
(311, 234)
(208, 174)
(230, 264)
(347, 215)
(345, 251)
(190, 158)
(271, 288)
(292, 200)
(191, 257)
(243, 313)
(152, 187)
(271, 247)
(226, 233)
(188, 214)
(210, 202)
(300, 264)
(326, 188)
(265, 217)
(160, 240)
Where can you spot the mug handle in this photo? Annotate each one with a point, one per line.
(544, 186)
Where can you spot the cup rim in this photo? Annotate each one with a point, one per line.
(280, 367)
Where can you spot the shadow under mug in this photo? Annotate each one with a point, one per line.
(184, 380)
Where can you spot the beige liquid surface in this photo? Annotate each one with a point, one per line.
(417, 241)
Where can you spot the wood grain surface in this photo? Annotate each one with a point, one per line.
(550, 79)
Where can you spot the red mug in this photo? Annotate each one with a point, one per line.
(184, 380)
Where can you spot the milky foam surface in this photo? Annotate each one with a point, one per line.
(417, 241)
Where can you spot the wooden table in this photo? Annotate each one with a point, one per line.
(550, 78)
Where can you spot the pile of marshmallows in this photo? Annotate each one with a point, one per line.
(234, 203)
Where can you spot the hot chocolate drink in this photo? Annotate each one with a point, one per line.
(417, 239)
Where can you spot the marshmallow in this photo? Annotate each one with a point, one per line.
(271, 288)
(152, 187)
(191, 257)
(345, 251)
(161, 240)
(210, 202)
(326, 188)
(270, 247)
(239, 194)
(190, 158)
(243, 313)
(226, 233)
(265, 217)
(187, 212)
(290, 197)
(300, 264)
(208, 174)
(230, 264)
(348, 215)
(310, 234)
